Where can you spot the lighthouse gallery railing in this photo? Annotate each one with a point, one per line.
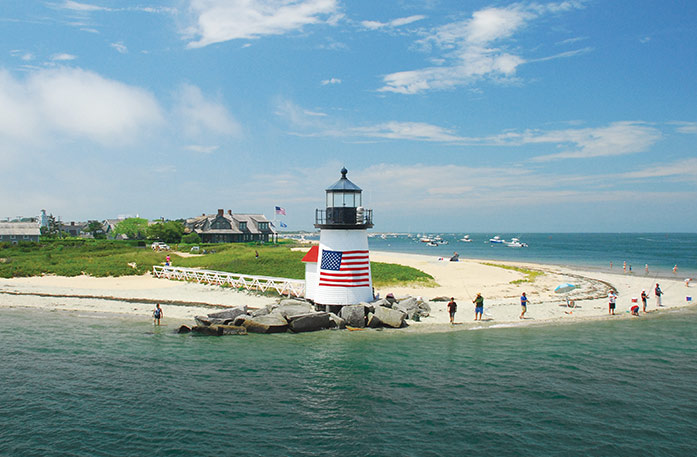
(282, 286)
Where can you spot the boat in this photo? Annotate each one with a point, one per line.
(426, 239)
(496, 239)
(515, 243)
(431, 243)
(466, 239)
(441, 242)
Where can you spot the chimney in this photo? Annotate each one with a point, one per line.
(72, 223)
(220, 212)
(229, 212)
(203, 214)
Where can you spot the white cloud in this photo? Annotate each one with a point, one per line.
(120, 47)
(331, 81)
(200, 149)
(62, 57)
(406, 131)
(74, 103)
(474, 49)
(681, 170)
(374, 25)
(77, 6)
(199, 115)
(689, 128)
(223, 20)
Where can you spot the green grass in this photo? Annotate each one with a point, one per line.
(101, 258)
(530, 275)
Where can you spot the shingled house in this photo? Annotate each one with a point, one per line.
(231, 228)
(14, 232)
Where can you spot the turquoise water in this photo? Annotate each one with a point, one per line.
(79, 385)
(661, 251)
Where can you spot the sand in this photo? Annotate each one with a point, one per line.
(136, 295)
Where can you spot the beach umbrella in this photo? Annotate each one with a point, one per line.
(564, 288)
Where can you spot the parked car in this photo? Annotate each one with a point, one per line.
(159, 246)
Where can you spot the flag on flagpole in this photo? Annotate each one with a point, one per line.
(344, 269)
(283, 225)
(280, 210)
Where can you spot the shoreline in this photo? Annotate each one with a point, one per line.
(135, 296)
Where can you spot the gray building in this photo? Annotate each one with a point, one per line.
(14, 232)
(231, 228)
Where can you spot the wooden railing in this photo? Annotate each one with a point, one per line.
(283, 286)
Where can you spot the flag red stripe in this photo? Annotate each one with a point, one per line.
(344, 285)
(353, 263)
(344, 274)
(355, 252)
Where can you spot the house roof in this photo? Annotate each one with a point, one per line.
(202, 224)
(312, 255)
(20, 228)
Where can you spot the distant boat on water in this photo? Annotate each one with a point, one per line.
(515, 243)
(497, 239)
(466, 239)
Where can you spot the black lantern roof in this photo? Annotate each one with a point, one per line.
(344, 184)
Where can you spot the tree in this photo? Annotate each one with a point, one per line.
(96, 229)
(135, 228)
(52, 229)
(191, 238)
(169, 232)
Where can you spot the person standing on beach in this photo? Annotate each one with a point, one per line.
(624, 266)
(644, 297)
(157, 314)
(523, 305)
(646, 268)
(478, 307)
(658, 292)
(452, 308)
(675, 269)
(612, 297)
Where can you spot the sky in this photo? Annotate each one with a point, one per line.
(452, 116)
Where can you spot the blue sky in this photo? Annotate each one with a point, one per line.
(451, 115)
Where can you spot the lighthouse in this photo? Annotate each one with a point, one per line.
(341, 271)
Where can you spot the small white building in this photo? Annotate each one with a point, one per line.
(340, 274)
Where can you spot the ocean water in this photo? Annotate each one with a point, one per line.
(86, 385)
(660, 251)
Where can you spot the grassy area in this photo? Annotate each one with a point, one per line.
(530, 275)
(119, 258)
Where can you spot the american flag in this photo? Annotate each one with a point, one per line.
(280, 210)
(344, 269)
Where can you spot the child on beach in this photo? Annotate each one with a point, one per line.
(452, 308)
(523, 305)
(478, 307)
(612, 297)
(634, 310)
(157, 314)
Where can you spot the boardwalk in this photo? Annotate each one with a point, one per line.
(283, 286)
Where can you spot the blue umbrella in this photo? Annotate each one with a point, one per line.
(564, 288)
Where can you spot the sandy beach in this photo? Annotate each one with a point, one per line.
(136, 295)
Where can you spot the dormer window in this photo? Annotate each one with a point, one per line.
(243, 225)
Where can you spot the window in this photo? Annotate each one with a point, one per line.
(243, 225)
(263, 225)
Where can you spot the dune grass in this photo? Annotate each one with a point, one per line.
(530, 275)
(102, 258)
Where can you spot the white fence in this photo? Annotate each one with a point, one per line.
(283, 286)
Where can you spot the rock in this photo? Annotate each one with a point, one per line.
(202, 321)
(446, 299)
(229, 313)
(262, 311)
(293, 302)
(390, 298)
(369, 307)
(390, 317)
(336, 322)
(288, 310)
(183, 329)
(271, 323)
(205, 330)
(309, 322)
(381, 302)
(423, 306)
(239, 320)
(231, 330)
(408, 303)
(354, 315)
(373, 322)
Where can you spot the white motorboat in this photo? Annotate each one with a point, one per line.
(431, 243)
(515, 243)
(496, 239)
(466, 239)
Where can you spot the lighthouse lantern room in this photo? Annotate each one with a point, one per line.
(343, 260)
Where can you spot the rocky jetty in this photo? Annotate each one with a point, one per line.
(300, 316)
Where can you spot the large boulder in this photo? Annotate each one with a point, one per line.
(336, 322)
(230, 330)
(205, 330)
(183, 329)
(368, 307)
(381, 302)
(309, 322)
(390, 317)
(202, 321)
(373, 321)
(239, 320)
(290, 308)
(354, 315)
(264, 310)
(408, 303)
(271, 323)
(229, 313)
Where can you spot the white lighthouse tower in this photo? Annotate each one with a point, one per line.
(343, 260)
